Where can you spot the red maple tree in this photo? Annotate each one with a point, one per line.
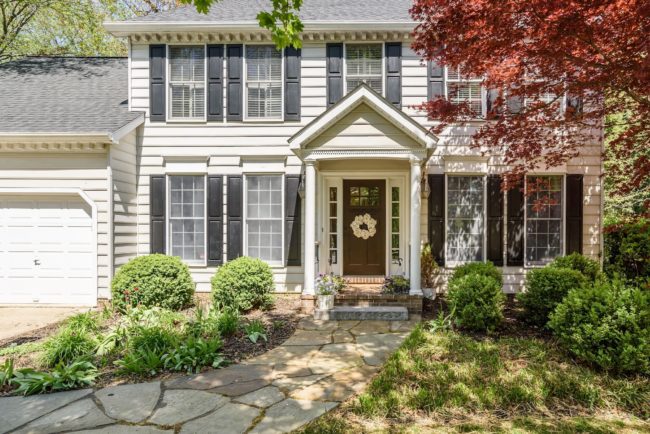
(554, 69)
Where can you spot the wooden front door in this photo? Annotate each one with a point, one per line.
(364, 227)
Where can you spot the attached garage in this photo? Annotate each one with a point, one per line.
(48, 249)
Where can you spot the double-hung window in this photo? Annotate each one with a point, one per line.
(543, 219)
(264, 227)
(462, 89)
(186, 82)
(187, 217)
(465, 219)
(263, 82)
(363, 64)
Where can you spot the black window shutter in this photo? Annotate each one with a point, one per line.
(215, 82)
(234, 86)
(394, 73)
(574, 200)
(492, 111)
(235, 224)
(574, 105)
(157, 207)
(494, 220)
(515, 236)
(292, 57)
(515, 104)
(435, 81)
(334, 53)
(215, 220)
(436, 220)
(157, 103)
(292, 223)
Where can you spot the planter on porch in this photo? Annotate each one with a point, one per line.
(326, 302)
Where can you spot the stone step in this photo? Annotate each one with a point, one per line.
(356, 313)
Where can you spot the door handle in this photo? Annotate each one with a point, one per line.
(37, 262)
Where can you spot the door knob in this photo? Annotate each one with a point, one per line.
(37, 262)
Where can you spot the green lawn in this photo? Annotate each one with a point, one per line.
(450, 382)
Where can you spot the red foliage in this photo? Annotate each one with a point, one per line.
(591, 51)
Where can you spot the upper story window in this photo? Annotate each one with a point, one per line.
(186, 82)
(463, 89)
(363, 64)
(263, 82)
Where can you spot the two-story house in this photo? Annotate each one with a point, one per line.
(207, 143)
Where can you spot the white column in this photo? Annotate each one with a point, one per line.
(416, 201)
(310, 227)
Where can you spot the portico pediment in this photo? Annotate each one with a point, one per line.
(363, 123)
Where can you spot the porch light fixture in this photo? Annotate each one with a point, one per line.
(426, 189)
(301, 186)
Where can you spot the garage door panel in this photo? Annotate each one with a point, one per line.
(47, 250)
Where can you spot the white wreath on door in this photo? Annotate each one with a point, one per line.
(370, 224)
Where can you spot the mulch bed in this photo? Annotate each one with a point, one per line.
(281, 322)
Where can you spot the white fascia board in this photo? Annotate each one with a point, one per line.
(125, 28)
(58, 137)
(363, 94)
(125, 129)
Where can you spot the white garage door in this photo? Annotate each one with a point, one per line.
(47, 250)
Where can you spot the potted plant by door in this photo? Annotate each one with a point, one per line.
(327, 286)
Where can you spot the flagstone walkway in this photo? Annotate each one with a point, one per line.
(322, 364)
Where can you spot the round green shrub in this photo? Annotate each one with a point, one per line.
(627, 251)
(607, 325)
(545, 289)
(476, 302)
(243, 284)
(153, 280)
(483, 268)
(575, 261)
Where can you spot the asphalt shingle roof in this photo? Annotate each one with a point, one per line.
(64, 95)
(312, 11)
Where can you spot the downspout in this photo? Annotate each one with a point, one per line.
(109, 189)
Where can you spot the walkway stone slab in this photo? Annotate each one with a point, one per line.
(310, 323)
(370, 328)
(342, 336)
(130, 402)
(289, 384)
(79, 415)
(290, 414)
(337, 387)
(263, 398)
(237, 389)
(284, 355)
(375, 349)
(309, 337)
(179, 406)
(222, 377)
(230, 419)
(16, 410)
(287, 370)
(126, 429)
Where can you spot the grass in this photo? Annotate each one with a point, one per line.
(22, 349)
(449, 382)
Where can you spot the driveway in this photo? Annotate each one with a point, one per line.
(17, 321)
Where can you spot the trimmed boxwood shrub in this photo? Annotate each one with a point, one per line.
(153, 280)
(545, 288)
(575, 261)
(482, 268)
(607, 325)
(627, 251)
(476, 302)
(243, 284)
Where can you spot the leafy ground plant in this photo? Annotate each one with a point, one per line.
(228, 322)
(6, 372)
(256, 330)
(62, 377)
(193, 354)
(67, 346)
(450, 382)
(87, 322)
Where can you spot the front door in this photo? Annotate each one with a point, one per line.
(364, 237)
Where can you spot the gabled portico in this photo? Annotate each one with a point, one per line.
(363, 168)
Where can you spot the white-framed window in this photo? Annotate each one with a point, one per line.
(186, 84)
(465, 218)
(364, 64)
(264, 234)
(464, 89)
(186, 222)
(264, 99)
(543, 219)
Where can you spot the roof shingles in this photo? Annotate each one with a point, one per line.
(64, 95)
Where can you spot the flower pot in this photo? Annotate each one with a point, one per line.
(325, 302)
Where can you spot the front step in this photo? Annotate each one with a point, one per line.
(361, 313)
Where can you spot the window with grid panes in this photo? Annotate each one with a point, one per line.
(463, 89)
(333, 229)
(394, 227)
(264, 217)
(364, 65)
(186, 82)
(465, 216)
(263, 82)
(187, 217)
(544, 220)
